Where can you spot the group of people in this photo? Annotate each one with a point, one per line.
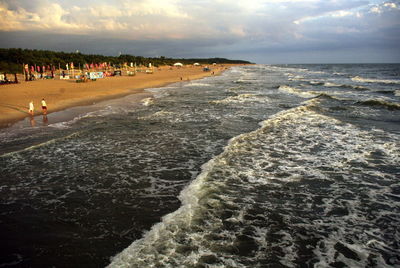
(32, 108)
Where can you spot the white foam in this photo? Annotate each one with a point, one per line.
(370, 80)
(316, 82)
(329, 84)
(287, 69)
(147, 101)
(160, 92)
(158, 115)
(338, 73)
(182, 217)
(298, 92)
(290, 146)
(241, 98)
(296, 78)
(108, 110)
(197, 84)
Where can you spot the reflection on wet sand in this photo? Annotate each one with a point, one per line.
(32, 121)
(45, 120)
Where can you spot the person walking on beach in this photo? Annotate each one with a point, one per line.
(44, 107)
(31, 108)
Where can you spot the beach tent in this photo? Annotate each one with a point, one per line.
(178, 64)
(196, 64)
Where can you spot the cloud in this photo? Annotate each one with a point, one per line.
(209, 26)
(383, 7)
(138, 18)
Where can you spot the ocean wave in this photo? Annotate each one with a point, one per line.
(331, 84)
(147, 101)
(236, 88)
(370, 80)
(324, 95)
(380, 103)
(234, 207)
(160, 92)
(287, 69)
(296, 78)
(340, 74)
(360, 88)
(197, 84)
(386, 92)
(175, 224)
(241, 98)
(316, 72)
(158, 116)
(318, 83)
(105, 111)
(38, 145)
(298, 92)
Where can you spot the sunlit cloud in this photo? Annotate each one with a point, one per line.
(229, 25)
(381, 8)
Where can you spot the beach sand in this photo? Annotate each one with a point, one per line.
(62, 94)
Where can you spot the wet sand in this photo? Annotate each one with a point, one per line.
(62, 94)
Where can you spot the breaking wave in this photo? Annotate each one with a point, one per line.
(298, 92)
(370, 80)
(381, 103)
(254, 204)
(239, 99)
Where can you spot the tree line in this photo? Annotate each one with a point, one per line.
(12, 59)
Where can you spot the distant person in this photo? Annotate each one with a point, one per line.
(44, 107)
(31, 108)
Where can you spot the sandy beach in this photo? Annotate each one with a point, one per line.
(62, 94)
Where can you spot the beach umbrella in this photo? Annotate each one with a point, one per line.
(178, 64)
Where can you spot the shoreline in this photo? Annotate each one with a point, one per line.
(63, 94)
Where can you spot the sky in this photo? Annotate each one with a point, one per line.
(260, 31)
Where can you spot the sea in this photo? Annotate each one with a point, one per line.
(262, 166)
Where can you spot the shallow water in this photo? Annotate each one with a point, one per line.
(264, 166)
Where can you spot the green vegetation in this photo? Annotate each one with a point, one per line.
(11, 59)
